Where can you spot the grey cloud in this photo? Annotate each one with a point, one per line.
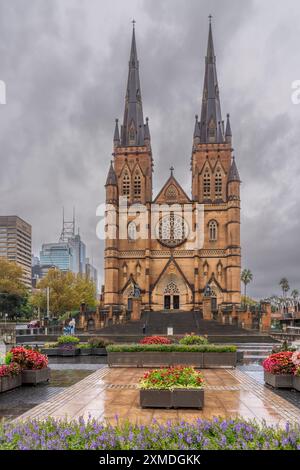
(65, 65)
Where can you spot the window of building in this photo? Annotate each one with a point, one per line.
(218, 183)
(137, 186)
(206, 183)
(132, 231)
(126, 184)
(213, 230)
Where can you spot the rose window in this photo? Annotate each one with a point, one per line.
(172, 230)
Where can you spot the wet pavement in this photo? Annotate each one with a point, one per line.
(16, 402)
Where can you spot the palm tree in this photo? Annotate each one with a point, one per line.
(295, 296)
(246, 278)
(284, 284)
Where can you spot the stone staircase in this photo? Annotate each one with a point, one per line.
(157, 323)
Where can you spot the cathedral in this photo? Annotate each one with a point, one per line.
(155, 257)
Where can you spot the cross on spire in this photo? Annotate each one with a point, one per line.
(133, 23)
(210, 18)
(171, 170)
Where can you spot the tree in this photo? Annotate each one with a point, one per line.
(284, 284)
(295, 296)
(246, 278)
(67, 292)
(13, 293)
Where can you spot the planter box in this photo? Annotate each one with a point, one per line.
(278, 381)
(8, 383)
(68, 352)
(219, 359)
(166, 359)
(296, 382)
(50, 351)
(98, 352)
(85, 351)
(177, 398)
(35, 376)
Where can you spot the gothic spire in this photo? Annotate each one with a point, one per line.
(117, 134)
(233, 172)
(133, 124)
(228, 133)
(111, 179)
(211, 107)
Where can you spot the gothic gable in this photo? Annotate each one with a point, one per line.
(172, 193)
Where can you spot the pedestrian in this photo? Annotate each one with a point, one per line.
(144, 329)
(72, 325)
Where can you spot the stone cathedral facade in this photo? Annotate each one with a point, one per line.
(156, 258)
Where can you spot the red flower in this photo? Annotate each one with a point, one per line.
(29, 358)
(279, 363)
(155, 340)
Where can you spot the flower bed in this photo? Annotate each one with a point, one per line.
(10, 376)
(279, 370)
(160, 355)
(175, 387)
(33, 364)
(155, 340)
(217, 434)
(193, 339)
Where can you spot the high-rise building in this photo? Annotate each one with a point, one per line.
(15, 243)
(91, 272)
(59, 255)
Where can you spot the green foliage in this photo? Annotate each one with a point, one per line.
(67, 292)
(193, 339)
(8, 358)
(171, 348)
(98, 342)
(67, 339)
(84, 346)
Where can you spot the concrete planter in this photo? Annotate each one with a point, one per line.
(85, 351)
(68, 352)
(219, 359)
(296, 382)
(9, 383)
(98, 352)
(279, 381)
(177, 398)
(35, 376)
(50, 351)
(166, 359)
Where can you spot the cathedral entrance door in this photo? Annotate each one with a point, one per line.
(176, 302)
(167, 302)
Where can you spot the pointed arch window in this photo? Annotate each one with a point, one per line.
(126, 184)
(213, 231)
(206, 183)
(218, 183)
(132, 231)
(212, 131)
(137, 185)
(132, 134)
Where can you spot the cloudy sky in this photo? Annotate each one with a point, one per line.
(65, 63)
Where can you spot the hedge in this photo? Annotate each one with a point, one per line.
(171, 348)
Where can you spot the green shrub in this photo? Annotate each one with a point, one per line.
(84, 346)
(98, 342)
(50, 345)
(68, 339)
(193, 339)
(8, 358)
(171, 348)
(172, 377)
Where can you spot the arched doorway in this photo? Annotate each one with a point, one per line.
(91, 324)
(171, 296)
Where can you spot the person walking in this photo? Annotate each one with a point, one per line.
(72, 325)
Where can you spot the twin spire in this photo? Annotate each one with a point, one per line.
(209, 129)
(134, 132)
